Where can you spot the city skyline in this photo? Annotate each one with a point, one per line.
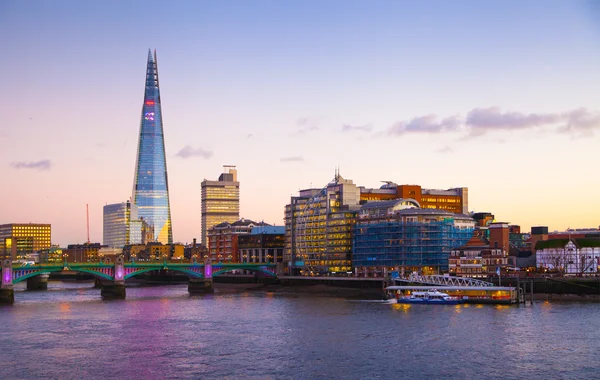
(498, 97)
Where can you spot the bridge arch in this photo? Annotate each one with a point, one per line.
(220, 271)
(37, 272)
(138, 271)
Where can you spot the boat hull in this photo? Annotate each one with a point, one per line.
(430, 302)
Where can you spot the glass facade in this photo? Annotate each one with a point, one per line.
(318, 229)
(116, 230)
(410, 240)
(150, 188)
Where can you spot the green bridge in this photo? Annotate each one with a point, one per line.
(112, 275)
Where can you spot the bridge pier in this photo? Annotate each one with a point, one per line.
(39, 282)
(112, 291)
(200, 286)
(116, 289)
(7, 293)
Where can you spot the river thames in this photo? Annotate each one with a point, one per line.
(161, 332)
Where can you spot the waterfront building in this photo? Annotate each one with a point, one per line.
(220, 201)
(150, 187)
(264, 244)
(477, 259)
(52, 255)
(398, 235)
(318, 228)
(223, 239)
(568, 256)
(319, 222)
(116, 224)
(153, 251)
(21, 239)
(81, 253)
(455, 200)
(195, 251)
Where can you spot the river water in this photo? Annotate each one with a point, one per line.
(68, 332)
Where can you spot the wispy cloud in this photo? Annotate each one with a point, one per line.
(189, 151)
(37, 165)
(308, 124)
(426, 124)
(445, 149)
(357, 128)
(292, 159)
(480, 121)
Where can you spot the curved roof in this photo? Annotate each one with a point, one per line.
(389, 204)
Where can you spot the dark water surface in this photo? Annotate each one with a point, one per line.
(68, 332)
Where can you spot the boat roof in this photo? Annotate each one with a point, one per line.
(443, 288)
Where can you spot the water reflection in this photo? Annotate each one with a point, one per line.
(162, 332)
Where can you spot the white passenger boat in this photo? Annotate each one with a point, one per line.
(429, 297)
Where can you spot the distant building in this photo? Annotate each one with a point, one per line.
(319, 222)
(264, 244)
(455, 200)
(318, 228)
(223, 239)
(81, 253)
(116, 223)
(153, 251)
(21, 239)
(569, 256)
(220, 201)
(398, 235)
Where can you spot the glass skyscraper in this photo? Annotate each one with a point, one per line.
(150, 186)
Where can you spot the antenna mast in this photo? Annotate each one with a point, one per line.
(87, 212)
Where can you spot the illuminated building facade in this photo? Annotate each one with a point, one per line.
(400, 236)
(455, 200)
(318, 229)
(20, 239)
(151, 188)
(220, 201)
(264, 244)
(223, 239)
(81, 253)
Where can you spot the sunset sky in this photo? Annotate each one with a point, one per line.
(502, 97)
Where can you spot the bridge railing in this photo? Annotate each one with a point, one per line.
(444, 280)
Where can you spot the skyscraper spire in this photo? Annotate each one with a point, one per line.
(150, 184)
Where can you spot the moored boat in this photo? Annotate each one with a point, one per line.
(429, 297)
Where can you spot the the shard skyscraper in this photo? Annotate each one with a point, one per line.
(150, 184)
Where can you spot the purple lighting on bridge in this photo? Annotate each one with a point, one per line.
(7, 276)
(119, 274)
(208, 271)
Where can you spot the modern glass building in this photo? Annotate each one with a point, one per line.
(150, 186)
(220, 201)
(318, 229)
(116, 230)
(398, 235)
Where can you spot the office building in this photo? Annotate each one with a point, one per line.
(318, 229)
(223, 239)
(220, 200)
(398, 235)
(116, 222)
(264, 244)
(455, 200)
(21, 239)
(150, 187)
